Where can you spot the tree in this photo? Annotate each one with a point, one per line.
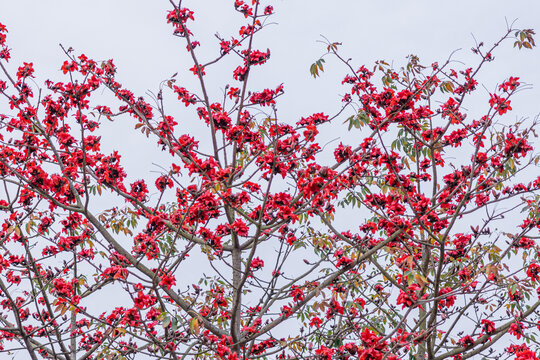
(96, 261)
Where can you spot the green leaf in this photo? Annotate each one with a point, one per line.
(166, 321)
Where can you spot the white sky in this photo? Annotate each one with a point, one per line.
(135, 34)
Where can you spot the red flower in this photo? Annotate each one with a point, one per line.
(526, 355)
(25, 71)
(240, 73)
(324, 353)
(488, 326)
(315, 321)
(257, 263)
(143, 301)
(516, 329)
(286, 311)
(296, 293)
(408, 298)
(500, 104)
(139, 190)
(115, 272)
(162, 182)
(516, 146)
(167, 281)
(240, 228)
(466, 341)
(534, 272)
(196, 69)
(510, 84)
(69, 67)
(449, 300)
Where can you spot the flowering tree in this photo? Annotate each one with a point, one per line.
(424, 267)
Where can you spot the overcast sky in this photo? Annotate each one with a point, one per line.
(134, 33)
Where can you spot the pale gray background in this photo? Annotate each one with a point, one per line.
(134, 33)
